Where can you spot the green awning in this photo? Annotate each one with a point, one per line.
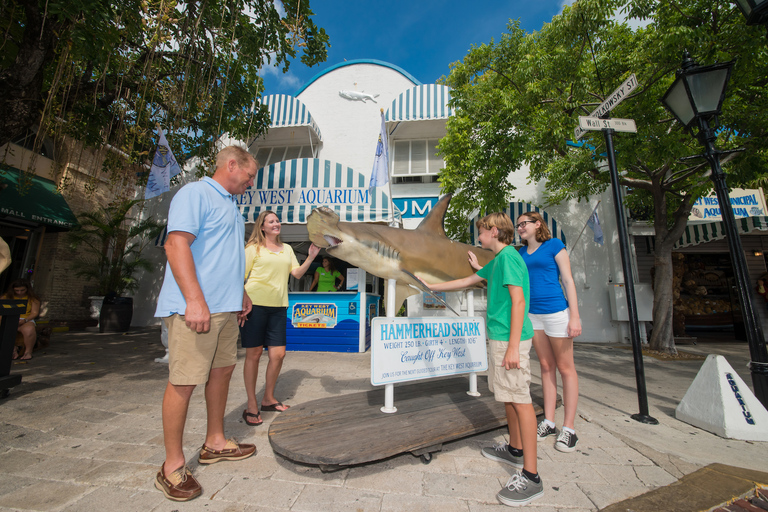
(34, 200)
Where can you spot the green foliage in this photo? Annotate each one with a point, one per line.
(517, 102)
(110, 250)
(108, 72)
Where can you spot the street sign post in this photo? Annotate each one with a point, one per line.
(616, 97)
(619, 125)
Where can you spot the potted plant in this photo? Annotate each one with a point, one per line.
(110, 243)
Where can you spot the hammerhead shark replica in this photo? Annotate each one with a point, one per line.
(400, 254)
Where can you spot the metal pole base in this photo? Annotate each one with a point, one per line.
(389, 410)
(644, 418)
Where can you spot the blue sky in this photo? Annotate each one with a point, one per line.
(421, 36)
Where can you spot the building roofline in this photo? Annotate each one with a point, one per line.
(360, 61)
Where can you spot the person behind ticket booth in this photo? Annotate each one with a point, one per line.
(202, 302)
(326, 276)
(268, 265)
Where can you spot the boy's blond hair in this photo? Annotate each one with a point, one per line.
(503, 225)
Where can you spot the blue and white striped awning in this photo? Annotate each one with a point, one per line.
(709, 231)
(514, 211)
(421, 103)
(293, 188)
(285, 110)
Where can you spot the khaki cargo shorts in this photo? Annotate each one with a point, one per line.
(192, 355)
(509, 385)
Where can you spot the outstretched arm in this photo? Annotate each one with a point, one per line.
(298, 273)
(456, 284)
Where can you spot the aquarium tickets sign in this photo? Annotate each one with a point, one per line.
(314, 315)
(744, 202)
(413, 348)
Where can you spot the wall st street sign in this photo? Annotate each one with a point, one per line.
(616, 97)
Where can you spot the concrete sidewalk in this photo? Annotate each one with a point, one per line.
(83, 433)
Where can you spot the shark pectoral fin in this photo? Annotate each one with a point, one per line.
(418, 284)
(402, 292)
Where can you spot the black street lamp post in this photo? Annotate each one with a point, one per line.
(756, 11)
(696, 97)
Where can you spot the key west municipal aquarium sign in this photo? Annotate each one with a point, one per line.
(413, 348)
(744, 202)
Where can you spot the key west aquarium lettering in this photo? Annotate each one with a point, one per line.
(314, 315)
(744, 203)
(270, 199)
(411, 348)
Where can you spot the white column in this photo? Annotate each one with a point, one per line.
(470, 313)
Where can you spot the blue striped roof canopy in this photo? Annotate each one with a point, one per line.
(287, 111)
(696, 234)
(293, 188)
(421, 103)
(514, 211)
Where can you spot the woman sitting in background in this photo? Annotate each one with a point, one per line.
(21, 290)
(326, 276)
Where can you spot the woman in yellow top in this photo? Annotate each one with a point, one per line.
(21, 290)
(268, 263)
(326, 276)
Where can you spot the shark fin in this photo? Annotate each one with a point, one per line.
(436, 217)
(421, 286)
(402, 292)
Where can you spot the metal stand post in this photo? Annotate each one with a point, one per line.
(634, 326)
(471, 312)
(757, 350)
(389, 389)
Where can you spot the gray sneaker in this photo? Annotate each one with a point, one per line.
(501, 453)
(566, 442)
(543, 431)
(520, 491)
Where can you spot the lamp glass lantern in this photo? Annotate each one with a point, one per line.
(698, 91)
(756, 11)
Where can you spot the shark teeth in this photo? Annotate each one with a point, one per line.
(332, 240)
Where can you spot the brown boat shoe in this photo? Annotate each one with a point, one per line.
(179, 485)
(232, 451)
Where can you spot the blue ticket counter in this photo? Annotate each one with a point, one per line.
(330, 321)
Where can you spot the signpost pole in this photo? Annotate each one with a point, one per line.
(470, 313)
(389, 389)
(634, 325)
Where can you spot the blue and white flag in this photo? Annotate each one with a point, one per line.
(380, 172)
(164, 167)
(594, 225)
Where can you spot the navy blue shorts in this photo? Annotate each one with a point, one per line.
(264, 327)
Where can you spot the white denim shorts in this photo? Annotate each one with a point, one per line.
(554, 325)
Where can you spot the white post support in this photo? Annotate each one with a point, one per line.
(471, 312)
(389, 389)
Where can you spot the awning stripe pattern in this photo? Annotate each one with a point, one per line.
(293, 188)
(707, 232)
(420, 103)
(514, 211)
(285, 110)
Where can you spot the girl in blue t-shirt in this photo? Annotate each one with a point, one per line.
(555, 319)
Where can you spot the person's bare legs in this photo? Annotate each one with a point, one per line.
(562, 349)
(30, 336)
(276, 356)
(216, 391)
(175, 406)
(548, 363)
(250, 376)
(521, 422)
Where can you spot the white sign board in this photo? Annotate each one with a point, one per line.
(620, 125)
(745, 202)
(410, 348)
(616, 97)
(353, 279)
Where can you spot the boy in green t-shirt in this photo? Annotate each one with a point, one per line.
(509, 337)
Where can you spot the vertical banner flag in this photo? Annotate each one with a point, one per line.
(594, 224)
(380, 172)
(164, 167)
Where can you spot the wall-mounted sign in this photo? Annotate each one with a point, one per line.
(314, 315)
(744, 202)
(430, 302)
(415, 207)
(413, 348)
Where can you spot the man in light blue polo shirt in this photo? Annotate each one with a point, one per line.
(202, 301)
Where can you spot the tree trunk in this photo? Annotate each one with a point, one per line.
(662, 337)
